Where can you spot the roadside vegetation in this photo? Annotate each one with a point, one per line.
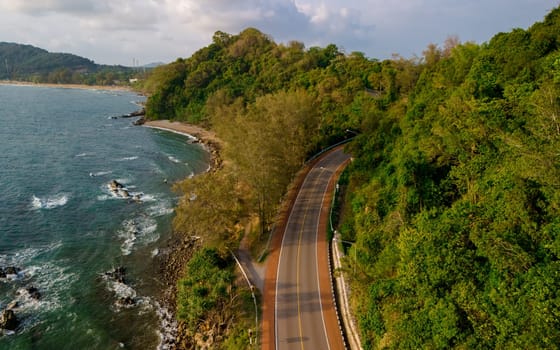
(452, 199)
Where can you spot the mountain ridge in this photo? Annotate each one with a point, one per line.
(24, 62)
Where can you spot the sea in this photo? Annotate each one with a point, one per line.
(79, 255)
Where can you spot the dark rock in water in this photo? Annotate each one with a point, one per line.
(114, 185)
(140, 121)
(33, 292)
(119, 189)
(138, 113)
(125, 301)
(8, 270)
(8, 320)
(117, 274)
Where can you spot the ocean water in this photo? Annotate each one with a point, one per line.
(63, 228)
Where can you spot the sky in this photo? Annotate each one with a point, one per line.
(130, 32)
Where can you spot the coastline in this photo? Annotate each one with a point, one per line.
(199, 135)
(67, 86)
(178, 249)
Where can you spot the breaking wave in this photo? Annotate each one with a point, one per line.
(173, 159)
(49, 202)
(143, 229)
(124, 159)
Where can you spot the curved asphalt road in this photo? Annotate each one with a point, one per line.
(304, 312)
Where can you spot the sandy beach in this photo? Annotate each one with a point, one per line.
(203, 135)
(68, 86)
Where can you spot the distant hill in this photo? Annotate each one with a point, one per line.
(30, 63)
(153, 65)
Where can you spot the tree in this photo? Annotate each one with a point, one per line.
(213, 199)
(268, 143)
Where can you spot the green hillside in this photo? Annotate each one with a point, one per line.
(29, 63)
(454, 201)
(453, 197)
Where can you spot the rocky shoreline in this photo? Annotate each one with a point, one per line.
(171, 260)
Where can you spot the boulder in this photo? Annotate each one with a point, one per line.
(125, 301)
(8, 270)
(139, 113)
(33, 292)
(114, 185)
(8, 320)
(11, 270)
(140, 121)
(117, 274)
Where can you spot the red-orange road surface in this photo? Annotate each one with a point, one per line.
(298, 305)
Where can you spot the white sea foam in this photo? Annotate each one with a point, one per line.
(26, 255)
(160, 208)
(122, 292)
(173, 159)
(147, 197)
(102, 173)
(124, 180)
(142, 229)
(124, 159)
(52, 281)
(168, 327)
(189, 136)
(49, 202)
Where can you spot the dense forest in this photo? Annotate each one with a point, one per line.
(453, 197)
(28, 63)
(455, 201)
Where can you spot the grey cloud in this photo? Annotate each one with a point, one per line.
(115, 30)
(127, 16)
(44, 7)
(284, 20)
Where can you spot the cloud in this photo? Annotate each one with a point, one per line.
(285, 20)
(92, 14)
(230, 15)
(44, 7)
(114, 31)
(128, 15)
